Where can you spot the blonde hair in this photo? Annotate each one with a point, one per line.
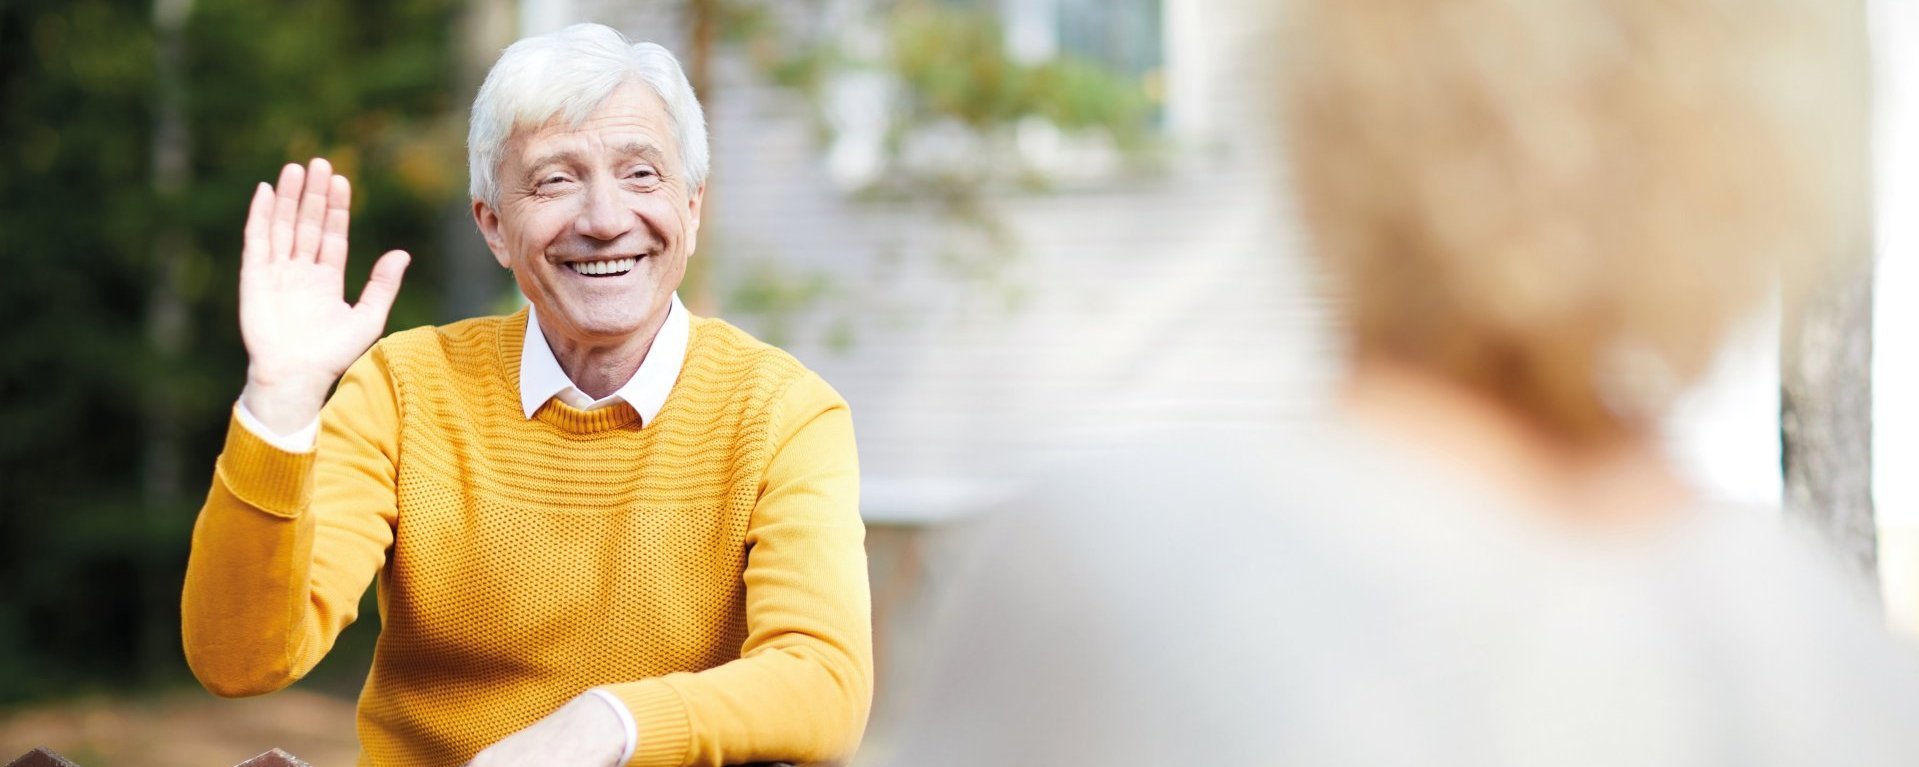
(1565, 204)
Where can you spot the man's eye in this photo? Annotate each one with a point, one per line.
(642, 173)
(551, 180)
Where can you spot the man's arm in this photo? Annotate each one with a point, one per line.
(802, 686)
(288, 542)
(259, 607)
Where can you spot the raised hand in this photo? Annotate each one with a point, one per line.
(300, 333)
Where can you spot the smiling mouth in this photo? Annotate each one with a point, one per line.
(608, 268)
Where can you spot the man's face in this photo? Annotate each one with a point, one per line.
(596, 220)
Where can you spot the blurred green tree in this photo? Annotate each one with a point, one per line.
(131, 134)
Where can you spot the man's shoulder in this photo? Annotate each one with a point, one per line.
(718, 347)
(728, 363)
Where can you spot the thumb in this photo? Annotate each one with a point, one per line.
(384, 284)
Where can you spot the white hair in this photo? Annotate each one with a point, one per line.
(571, 72)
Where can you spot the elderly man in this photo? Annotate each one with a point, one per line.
(606, 531)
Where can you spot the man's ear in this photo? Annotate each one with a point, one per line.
(694, 203)
(489, 223)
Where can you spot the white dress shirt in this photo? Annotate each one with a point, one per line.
(541, 379)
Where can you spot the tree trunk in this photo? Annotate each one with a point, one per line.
(470, 280)
(168, 325)
(1825, 349)
(696, 289)
(1825, 415)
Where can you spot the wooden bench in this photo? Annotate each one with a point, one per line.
(41, 757)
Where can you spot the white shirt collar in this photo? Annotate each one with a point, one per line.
(541, 378)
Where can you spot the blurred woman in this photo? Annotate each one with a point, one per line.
(1539, 220)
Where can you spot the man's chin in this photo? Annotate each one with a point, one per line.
(606, 330)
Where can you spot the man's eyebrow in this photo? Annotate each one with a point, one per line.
(563, 157)
(645, 150)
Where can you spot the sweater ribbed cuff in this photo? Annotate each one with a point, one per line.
(660, 716)
(265, 477)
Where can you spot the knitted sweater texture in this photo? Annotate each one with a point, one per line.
(708, 569)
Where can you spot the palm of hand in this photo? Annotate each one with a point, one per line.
(300, 332)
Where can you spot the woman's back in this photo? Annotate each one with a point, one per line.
(1332, 598)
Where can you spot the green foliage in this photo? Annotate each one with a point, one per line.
(90, 556)
(948, 65)
(952, 63)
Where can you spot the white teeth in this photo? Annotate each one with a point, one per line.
(597, 268)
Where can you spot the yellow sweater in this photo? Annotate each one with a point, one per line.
(708, 569)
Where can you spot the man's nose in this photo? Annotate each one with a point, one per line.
(603, 217)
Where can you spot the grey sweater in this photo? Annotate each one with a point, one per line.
(1319, 598)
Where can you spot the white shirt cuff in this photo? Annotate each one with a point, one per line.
(626, 718)
(300, 441)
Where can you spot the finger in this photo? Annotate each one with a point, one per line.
(313, 208)
(259, 230)
(383, 285)
(286, 202)
(339, 204)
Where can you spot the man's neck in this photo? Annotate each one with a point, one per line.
(599, 370)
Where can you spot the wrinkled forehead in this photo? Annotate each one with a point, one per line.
(630, 119)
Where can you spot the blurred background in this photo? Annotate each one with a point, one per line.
(1008, 231)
